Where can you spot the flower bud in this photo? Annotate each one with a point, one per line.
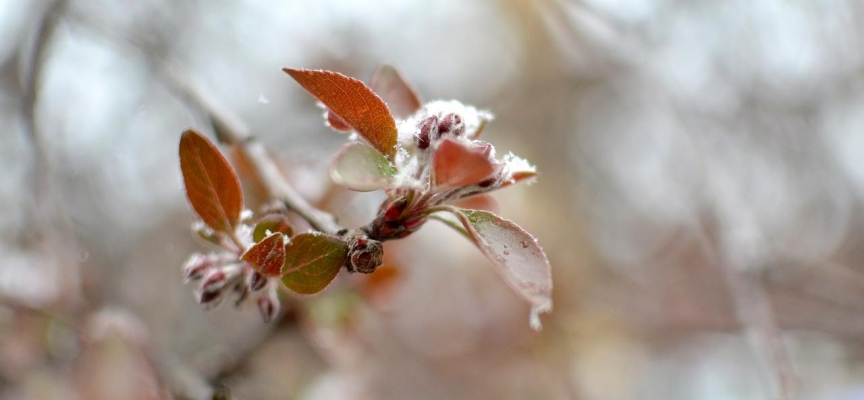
(197, 265)
(209, 299)
(214, 281)
(268, 306)
(451, 124)
(364, 255)
(395, 209)
(428, 132)
(255, 281)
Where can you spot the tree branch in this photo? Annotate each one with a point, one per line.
(231, 131)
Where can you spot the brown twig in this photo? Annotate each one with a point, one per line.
(231, 131)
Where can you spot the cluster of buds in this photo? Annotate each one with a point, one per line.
(221, 274)
(440, 161)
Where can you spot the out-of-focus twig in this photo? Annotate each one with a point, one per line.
(755, 312)
(31, 73)
(231, 131)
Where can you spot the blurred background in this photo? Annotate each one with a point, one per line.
(700, 199)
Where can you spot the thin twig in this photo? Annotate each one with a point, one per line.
(755, 312)
(231, 131)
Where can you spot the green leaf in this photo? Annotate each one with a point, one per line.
(362, 168)
(267, 256)
(212, 186)
(312, 260)
(515, 254)
(272, 223)
(354, 103)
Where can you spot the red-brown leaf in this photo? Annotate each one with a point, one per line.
(353, 102)
(396, 92)
(267, 256)
(338, 124)
(212, 186)
(456, 164)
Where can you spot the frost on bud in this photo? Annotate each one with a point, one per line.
(214, 281)
(451, 124)
(197, 265)
(428, 132)
(268, 306)
(364, 255)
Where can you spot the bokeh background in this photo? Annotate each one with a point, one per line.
(700, 199)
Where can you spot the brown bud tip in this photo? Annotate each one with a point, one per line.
(197, 265)
(428, 132)
(213, 281)
(256, 281)
(364, 255)
(268, 306)
(451, 124)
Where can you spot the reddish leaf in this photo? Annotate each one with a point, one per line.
(399, 95)
(483, 202)
(212, 186)
(353, 102)
(361, 168)
(516, 256)
(267, 256)
(312, 260)
(338, 124)
(456, 164)
(272, 223)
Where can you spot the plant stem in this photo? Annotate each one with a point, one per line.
(231, 131)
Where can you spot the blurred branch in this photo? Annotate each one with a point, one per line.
(230, 130)
(754, 311)
(32, 71)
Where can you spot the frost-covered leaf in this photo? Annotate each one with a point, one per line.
(396, 92)
(354, 103)
(212, 186)
(456, 164)
(516, 256)
(268, 255)
(272, 223)
(361, 168)
(312, 260)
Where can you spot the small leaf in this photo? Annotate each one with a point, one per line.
(354, 103)
(396, 92)
(212, 186)
(338, 124)
(362, 168)
(312, 260)
(516, 256)
(268, 255)
(456, 164)
(272, 223)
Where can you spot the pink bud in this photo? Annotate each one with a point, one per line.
(197, 265)
(256, 281)
(268, 306)
(428, 132)
(213, 281)
(451, 124)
